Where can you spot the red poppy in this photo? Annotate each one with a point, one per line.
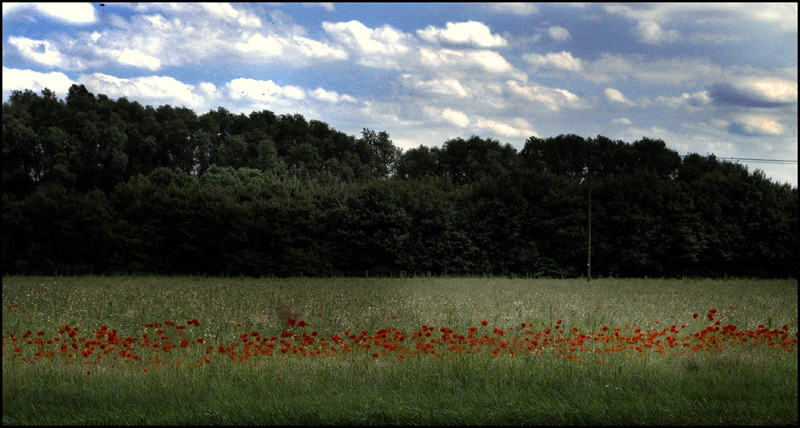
(694, 315)
(291, 321)
(484, 323)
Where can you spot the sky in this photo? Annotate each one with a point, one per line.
(706, 78)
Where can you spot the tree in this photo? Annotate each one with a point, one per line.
(384, 152)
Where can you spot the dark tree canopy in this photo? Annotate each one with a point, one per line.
(94, 185)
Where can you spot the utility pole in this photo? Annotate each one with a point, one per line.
(589, 221)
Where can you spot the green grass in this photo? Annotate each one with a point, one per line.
(739, 386)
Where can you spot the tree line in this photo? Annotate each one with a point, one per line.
(94, 185)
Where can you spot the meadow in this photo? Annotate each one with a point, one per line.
(412, 351)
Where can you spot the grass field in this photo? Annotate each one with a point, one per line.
(414, 351)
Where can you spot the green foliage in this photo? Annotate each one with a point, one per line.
(96, 185)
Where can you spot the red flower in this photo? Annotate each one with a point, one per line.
(301, 323)
(291, 321)
(694, 315)
(484, 323)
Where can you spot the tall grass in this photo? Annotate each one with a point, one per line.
(739, 385)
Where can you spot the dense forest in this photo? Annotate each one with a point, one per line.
(94, 185)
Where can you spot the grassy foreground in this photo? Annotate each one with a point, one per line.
(443, 351)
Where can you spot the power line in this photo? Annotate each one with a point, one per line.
(757, 160)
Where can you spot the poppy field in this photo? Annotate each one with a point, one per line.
(370, 351)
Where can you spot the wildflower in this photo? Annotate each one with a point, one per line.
(484, 323)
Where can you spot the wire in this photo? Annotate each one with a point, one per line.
(757, 160)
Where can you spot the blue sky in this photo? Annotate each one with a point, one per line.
(706, 78)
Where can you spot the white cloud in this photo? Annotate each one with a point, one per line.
(19, 80)
(470, 32)
(260, 90)
(228, 13)
(163, 35)
(616, 96)
(518, 128)
(455, 117)
(697, 99)
(380, 48)
(357, 36)
(138, 59)
(331, 96)
(621, 121)
(679, 71)
(562, 61)
(759, 90)
(447, 87)
(553, 99)
(330, 7)
(155, 90)
(70, 13)
(652, 33)
(558, 34)
(782, 16)
(44, 52)
(514, 8)
(258, 44)
(448, 59)
(756, 125)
